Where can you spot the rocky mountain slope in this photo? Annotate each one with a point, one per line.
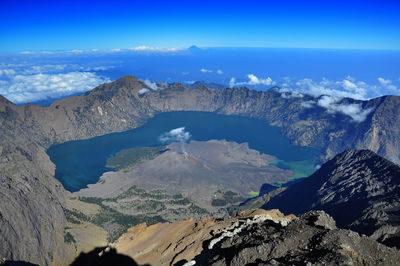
(36, 199)
(31, 209)
(119, 106)
(254, 238)
(360, 189)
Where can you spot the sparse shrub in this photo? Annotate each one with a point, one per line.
(68, 238)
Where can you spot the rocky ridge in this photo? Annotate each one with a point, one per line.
(254, 237)
(360, 189)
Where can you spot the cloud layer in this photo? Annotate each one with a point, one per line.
(175, 135)
(30, 88)
(252, 80)
(204, 70)
(355, 111)
(149, 85)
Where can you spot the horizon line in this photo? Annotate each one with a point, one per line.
(177, 49)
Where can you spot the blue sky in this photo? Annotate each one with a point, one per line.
(64, 25)
(53, 49)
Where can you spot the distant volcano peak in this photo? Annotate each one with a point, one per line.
(194, 48)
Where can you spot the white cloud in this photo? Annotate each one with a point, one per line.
(348, 85)
(205, 70)
(29, 88)
(175, 135)
(332, 106)
(151, 85)
(387, 84)
(7, 72)
(77, 51)
(31, 69)
(330, 93)
(145, 48)
(287, 94)
(350, 78)
(154, 86)
(338, 89)
(141, 48)
(232, 83)
(98, 68)
(142, 91)
(220, 72)
(384, 81)
(253, 80)
(307, 104)
(37, 69)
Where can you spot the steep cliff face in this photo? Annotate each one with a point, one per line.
(31, 215)
(382, 135)
(27, 131)
(360, 189)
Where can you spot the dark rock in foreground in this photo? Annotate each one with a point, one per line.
(313, 239)
(360, 189)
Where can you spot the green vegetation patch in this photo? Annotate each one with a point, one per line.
(133, 156)
(107, 215)
(300, 169)
(253, 194)
(75, 217)
(223, 198)
(68, 238)
(147, 206)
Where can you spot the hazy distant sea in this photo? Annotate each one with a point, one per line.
(376, 71)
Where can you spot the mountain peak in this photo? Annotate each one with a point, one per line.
(127, 78)
(128, 82)
(4, 100)
(194, 48)
(356, 155)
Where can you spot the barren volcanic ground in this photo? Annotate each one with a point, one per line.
(212, 174)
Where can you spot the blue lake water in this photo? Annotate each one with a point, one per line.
(82, 162)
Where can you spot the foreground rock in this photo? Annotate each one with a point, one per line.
(360, 189)
(254, 237)
(170, 243)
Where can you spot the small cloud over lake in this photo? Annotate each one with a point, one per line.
(175, 135)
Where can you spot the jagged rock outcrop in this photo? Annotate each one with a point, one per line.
(254, 238)
(170, 243)
(360, 189)
(35, 198)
